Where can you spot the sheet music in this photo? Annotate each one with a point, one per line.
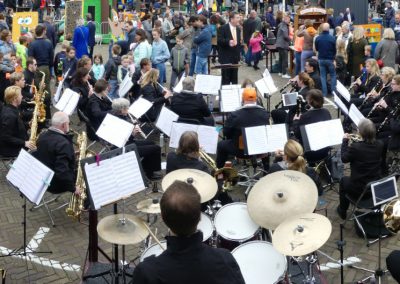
(30, 176)
(276, 137)
(355, 115)
(68, 102)
(262, 87)
(207, 84)
(269, 82)
(325, 133)
(115, 130)
(230, 100)
(343, 90)
(125, 85)
(340, 104)
(165, 120)
(60, 87)
(140, 107)
(114, 179)
(256, 140)
(179, 86)
(208, 138)
(230, 87)
(177, 131)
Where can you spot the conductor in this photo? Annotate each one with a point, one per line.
(186, 259)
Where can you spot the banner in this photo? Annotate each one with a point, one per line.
(22, 23)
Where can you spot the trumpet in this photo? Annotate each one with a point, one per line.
(208, 160)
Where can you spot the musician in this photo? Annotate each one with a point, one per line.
(292, 158)
(98, 104)
(55, 149)
(152, 91)
(190, 105)
(392, 263)
(26, 110)
(30, 74)
(13, 135)
(145, 66)
(80, 84)
(311, 67)
(247, 83)
(372, 81)
(186, 259)
(187, 155)
(147, 150)
(249, 115)
(365, 163)
(86, 62)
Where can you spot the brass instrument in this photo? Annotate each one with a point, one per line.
(391, 216)
(34, 121)
(76, 203)
(355, 138)
(41, 94)
(208, 160)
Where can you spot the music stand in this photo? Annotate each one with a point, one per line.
(93, 169)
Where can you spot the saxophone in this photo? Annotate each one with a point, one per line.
(76, 203)
(41, 94)
(34, 121)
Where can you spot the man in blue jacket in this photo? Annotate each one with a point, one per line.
(92, 33)
(325, 44)
(203, 41)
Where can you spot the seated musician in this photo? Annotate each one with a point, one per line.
(365, 163)
(86, 62)
(311, 68)
(137, 77)
(26, 110)
(186, 259)
(293, 159)
(98, 104)
(152, 91)
(13, 135)
(392, 263)
(80, 84)
(55, 149)
(187, 155)
(147, 150)
(250, 114)
(371, 81)
(30, 76)
(247, 83)
(190, 105)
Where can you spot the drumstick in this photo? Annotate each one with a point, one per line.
(154, 237)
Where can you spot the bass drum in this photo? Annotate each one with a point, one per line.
(154, 249)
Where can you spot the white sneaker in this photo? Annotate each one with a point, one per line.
(286, 76)
(279, 74)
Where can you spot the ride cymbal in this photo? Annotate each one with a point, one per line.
(280, 195)
(204, 183)
(301, 235)
(150, 206)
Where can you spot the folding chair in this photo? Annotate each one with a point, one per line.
(47, 199)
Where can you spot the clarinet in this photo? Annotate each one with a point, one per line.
(373, 90)
(375, 107)
(392, 114)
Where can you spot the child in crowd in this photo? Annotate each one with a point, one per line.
(132, 67)
(18, 65)
(22, 49)
(179, 61)
(367, 52)
(255, 45)
(111, 71)
(58, 59)
(123, 69)
(69, 65)
(98, 66)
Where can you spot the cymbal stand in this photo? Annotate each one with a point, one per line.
(311, 260)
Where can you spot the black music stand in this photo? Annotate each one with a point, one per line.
(93, 248)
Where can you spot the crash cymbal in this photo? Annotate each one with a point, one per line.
(301, 235)
(280, 195)
(203, 182)
(150, 206)
(114, 230)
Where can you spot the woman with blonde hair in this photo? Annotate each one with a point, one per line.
(355, 52)
(365, 85)
(387, 49)
(152, 91)
(292, 158)
(341, 61)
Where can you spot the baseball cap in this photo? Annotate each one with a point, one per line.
(249, 94)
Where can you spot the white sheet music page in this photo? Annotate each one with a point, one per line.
(30, 176)
(115, 130)
(230, 87)
(179, 86)
(125, 85)
(355, 115)
(60, 87)
(208, 138)
(165, 120)
(343, 90)
(340, 104)
(230, 100)
(262, 87)
(68, 102)
(207, 84)
(276, 137)
(256, 140)
(140, 107)
(325, 133)
(177, 131)
(269, 82)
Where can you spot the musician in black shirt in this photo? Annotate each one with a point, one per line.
(98, 104)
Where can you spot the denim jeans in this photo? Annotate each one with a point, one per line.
(326, 66)
(161, 68)
(297, 57)
(113, 93)
(248, 56)
(192, 61)
(304, 56)
(201, 66)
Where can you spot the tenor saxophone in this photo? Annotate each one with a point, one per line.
(41, 96)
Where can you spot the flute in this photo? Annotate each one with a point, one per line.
(135, 122)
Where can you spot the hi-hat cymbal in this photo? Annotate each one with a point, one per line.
(280, 195)
(203, 182)
(301, 235)
(116, 230)
(150, 206)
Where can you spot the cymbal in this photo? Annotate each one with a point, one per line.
(202, 181)
(112, 229)
(301, 235)
(150, 206)
(280, 195)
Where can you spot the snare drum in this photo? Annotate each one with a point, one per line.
(260, 262)
(234, 225)
(154, 249)
(205, 225)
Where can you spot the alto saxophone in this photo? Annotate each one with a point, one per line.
(41, 96)
(76, 203)
(34, 121)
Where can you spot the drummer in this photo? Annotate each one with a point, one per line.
(186, 259)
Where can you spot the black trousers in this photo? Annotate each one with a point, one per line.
(229, 75)
(346, 187)
(392, 263)
(151, 156)
(91, 48)
(283, 60)
(225, 149)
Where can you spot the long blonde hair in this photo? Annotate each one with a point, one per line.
(374, 67)
(294, 156)
(150, 77)
(341, 49)
(358, 33)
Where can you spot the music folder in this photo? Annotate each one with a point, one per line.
(140, 107)
(322, 134)
(340, 103)
(115, 130)
(230, 99)
(264, 138)
(68, 101)
(343, 91)
(125, 85)
(355, 115)
(207, 84)
(165, 120)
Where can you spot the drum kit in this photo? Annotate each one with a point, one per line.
(281, 202)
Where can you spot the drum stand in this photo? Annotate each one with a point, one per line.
(311, 260)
